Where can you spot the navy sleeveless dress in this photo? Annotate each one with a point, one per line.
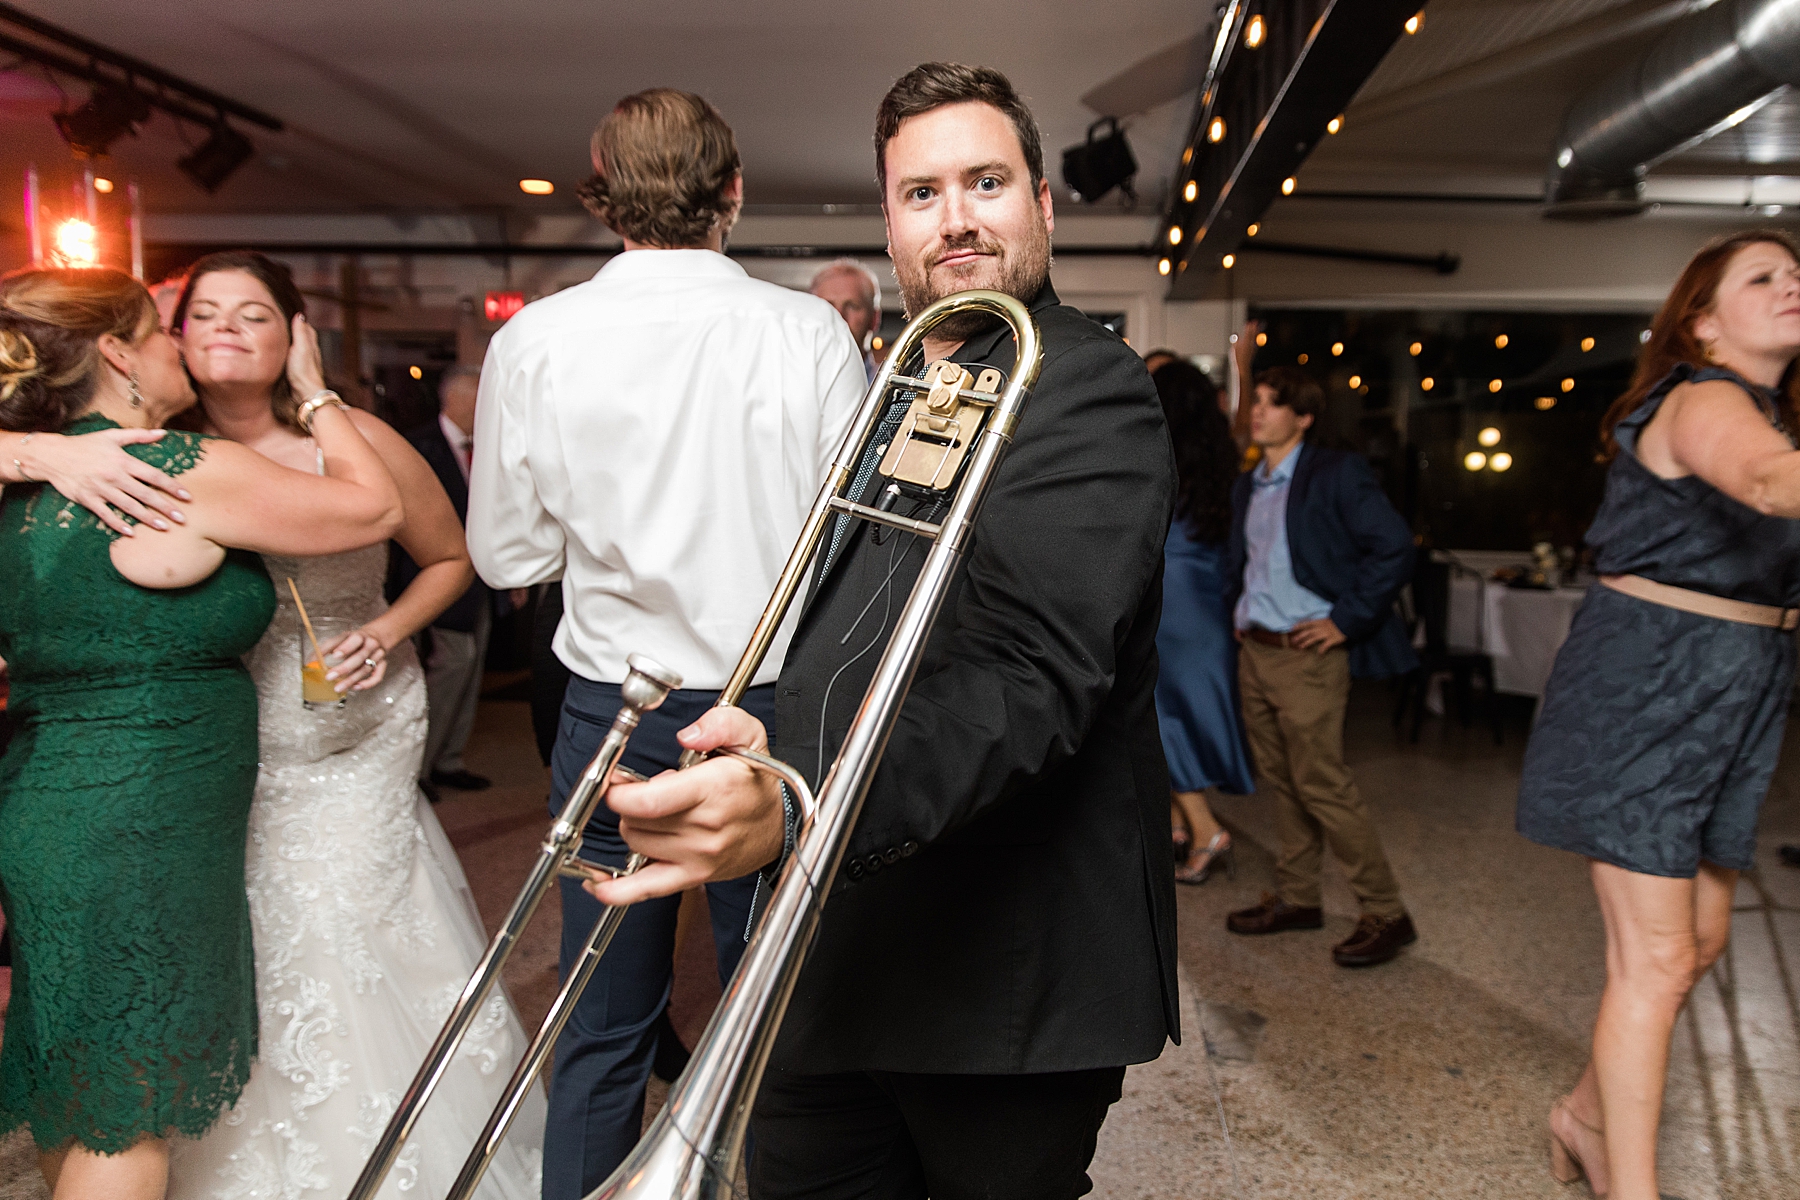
(1660, 728)
(1197, 686)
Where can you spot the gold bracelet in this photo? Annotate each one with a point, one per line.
(314, 402)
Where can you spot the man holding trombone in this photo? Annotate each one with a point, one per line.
(999, 939)
(654, 438)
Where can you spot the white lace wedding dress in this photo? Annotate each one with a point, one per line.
(365, 932)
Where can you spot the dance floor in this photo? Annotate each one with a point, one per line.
(1429, 1077)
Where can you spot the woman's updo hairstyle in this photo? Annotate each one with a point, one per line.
(280, 282)
(51, 323)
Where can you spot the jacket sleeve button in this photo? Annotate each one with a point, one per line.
(873, 862)
(909, 849)
(855, 869)
(891, 855)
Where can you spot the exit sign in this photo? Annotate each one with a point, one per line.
(500, 306)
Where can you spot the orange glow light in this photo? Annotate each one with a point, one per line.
(75, 244)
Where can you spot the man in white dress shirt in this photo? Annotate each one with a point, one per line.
(654, 437)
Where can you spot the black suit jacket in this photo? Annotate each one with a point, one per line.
(429, 441)
(1006, 903)
(1348, 545)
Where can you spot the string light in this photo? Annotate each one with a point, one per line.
(1303, 360)
(1337, 348)
(536, 187)
(1500, 462)
(878, 343)
(1187, 156)
(1215, 130)
(1500, 342)
(1494, 385)
(1355, 382)
(1474, 460)
(103, 185)
(1335, 124)
(1415, 22)
(1253, 230)
(1162, 266)
(1190, 191)
(1287, 186)
(1262, 339)
(1255, 32)
(1587, 344)
(1416, 349)
(1545, 403)
(1228, 262)
(1427, 383)
(1174, 235)
(1568, 385)
(415, 372)
(1489, 436)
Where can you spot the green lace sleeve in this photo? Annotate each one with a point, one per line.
(177, 452)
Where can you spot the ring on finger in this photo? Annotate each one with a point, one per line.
(369, 663)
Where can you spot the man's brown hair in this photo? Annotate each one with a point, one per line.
(662, 162)
(935, 84)
(1294, 389)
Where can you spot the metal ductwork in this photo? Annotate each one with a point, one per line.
(1707, 72)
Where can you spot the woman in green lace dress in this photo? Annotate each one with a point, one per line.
(125, 790)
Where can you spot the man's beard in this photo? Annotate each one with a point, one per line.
(1023, 271)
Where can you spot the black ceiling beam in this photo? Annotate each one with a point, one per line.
(131, 71)
(575, 250)
(1444, 264)
(1274, 102)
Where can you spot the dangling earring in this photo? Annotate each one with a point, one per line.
(137, 397)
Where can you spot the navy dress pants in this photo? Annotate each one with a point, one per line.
(603, 1057)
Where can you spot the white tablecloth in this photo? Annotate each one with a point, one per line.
(1522, 628)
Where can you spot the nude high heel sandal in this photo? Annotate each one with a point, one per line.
(1568, 1162)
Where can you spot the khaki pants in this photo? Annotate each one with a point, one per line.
(1294, 703)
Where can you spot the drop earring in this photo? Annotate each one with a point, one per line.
(137, 397)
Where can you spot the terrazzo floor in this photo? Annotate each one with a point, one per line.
(1428, 1077)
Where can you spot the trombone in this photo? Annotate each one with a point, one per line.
(947, 448)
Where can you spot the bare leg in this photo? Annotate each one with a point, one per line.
(1202, 827)
(140, 1173)
(1652, 952)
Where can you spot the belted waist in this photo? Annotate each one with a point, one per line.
(1703, 604)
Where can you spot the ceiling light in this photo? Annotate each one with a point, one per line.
(1500, 462)
(103, 185)
(1190, 191)
(1355, 382)
(1287, 186)
(1255, 31)
(1162, 266)
(1415, 22)
(1474, 460)
(1253, 230)
(415, 372)
(536, 187)
(1564, 157)
(218, 156)
(1228, 262)
(1427, 383)
(1101, 163)
(1336, 123)
(1337, 348)
(1568, 385)
(1500, 342)
(75, 244)
(1489, 436)
(1494, 385)
(1262, 339)
(1174, 235)
(1587, 344)
(1215, 130)
(1302, 360)
(109, 114)
(1545, 403)
(1416, 349)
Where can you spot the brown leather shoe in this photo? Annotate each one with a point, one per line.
(1274, 915)
(1374, 941)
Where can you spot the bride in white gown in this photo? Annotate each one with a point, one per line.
(364, 926)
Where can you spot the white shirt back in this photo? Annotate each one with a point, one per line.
(655, 436)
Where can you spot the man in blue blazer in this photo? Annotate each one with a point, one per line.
(1316, 558)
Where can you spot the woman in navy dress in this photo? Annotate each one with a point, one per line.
(1664, 713)
(1196, 694)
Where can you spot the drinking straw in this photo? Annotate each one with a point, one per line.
(318, 654)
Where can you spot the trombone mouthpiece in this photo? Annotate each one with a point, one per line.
(648, 683)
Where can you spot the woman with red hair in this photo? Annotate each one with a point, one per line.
(1664, 713)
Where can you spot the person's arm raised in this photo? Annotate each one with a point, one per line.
(1714, 430)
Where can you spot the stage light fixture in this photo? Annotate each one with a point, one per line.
(1587, 344)
(1474, 460)
(1101, 163)
(109, 114)
(217, 158)
(1489, 436)
(76, 244)
(1162, 266)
